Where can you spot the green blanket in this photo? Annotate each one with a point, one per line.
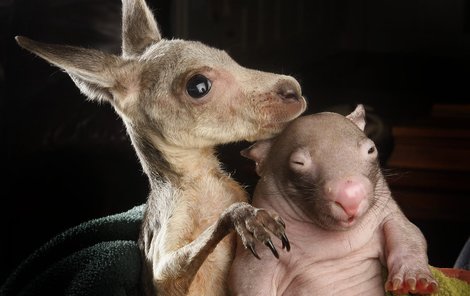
(98, 257)
(448, 286)
(101, 257)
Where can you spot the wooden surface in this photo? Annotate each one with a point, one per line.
(429, 175)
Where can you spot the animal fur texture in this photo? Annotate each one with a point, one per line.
(178, 100)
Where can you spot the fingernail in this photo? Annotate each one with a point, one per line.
(412, 284)
(396, 284)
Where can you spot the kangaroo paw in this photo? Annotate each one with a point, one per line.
(253, 224)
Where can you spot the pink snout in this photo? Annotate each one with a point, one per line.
(349, 193)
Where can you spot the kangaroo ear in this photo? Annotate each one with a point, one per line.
(97, 74)
(139, 28)
(258, 153)
(358, 116)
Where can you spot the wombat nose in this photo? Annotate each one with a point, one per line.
(348, 194)
(288, 90)
(350, 198)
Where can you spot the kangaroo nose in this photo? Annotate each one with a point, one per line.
(289, 90)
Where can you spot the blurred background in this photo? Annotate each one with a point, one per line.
(66, 160)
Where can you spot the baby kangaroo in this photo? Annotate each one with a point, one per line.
(179, 99)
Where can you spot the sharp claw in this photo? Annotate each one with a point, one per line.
(252, 249)
(285, 242)
(269, 243)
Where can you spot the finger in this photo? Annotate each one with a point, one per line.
(277, 218)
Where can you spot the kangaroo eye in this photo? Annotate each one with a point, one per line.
(198, 86)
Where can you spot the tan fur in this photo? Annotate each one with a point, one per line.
(193, 204)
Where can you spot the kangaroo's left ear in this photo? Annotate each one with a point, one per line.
(99, 75)
(139, 28)
(358, 116)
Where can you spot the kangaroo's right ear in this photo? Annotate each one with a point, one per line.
(139, 28)
(99, 75)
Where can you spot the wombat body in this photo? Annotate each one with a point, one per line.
(322, 176)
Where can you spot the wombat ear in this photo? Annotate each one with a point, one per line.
(358, 116)
(257, 152)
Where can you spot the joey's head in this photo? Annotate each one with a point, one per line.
(206, 98)
(178, 92)
(325, 165)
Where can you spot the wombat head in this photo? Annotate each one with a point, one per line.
(325, 164)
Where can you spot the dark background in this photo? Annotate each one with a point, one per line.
(66, 160)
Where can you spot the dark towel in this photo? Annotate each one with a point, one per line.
(101, 257)
(98, 257)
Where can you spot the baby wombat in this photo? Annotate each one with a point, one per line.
(347, 234)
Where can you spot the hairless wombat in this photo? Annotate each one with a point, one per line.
(322, 176)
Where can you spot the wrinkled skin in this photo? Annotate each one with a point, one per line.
(322, 176)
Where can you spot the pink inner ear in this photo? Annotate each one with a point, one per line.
(258, 151)
(246, 153)
(358, 116)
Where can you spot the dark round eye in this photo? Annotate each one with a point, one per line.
(198, 86)
(371, 150)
